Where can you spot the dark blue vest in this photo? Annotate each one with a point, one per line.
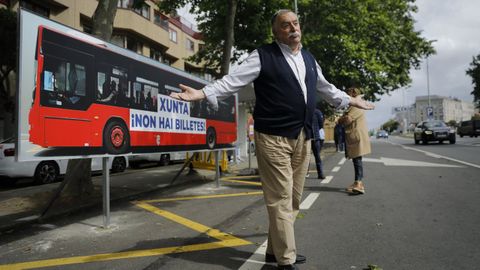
(280, 107)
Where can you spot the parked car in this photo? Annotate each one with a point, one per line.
(161, 159)
(469, 128)
(45, 171)
(433, 130)
(382, 134)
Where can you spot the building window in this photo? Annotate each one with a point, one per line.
(144, 11)
(134, 45)
(124, 3)
(173, 35)
(36, 8)
(118, 40)
(161, 20)
(189, 45)
(87, 29)
(159, 56)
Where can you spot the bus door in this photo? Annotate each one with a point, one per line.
(65, 95)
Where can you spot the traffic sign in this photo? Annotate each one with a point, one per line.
(430, 112)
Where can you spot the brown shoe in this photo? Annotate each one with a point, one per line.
(349, 189)
(358, 187)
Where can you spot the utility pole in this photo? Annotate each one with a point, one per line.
(296, 7)
(428, 84)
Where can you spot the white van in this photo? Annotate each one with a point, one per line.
(161, 159)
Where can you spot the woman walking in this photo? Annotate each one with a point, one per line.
(357, 141)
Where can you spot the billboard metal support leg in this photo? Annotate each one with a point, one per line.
(217, 168)
(106, 193)
(189, 161)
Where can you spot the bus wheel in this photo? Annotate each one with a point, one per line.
(115, 138)
(211, 138)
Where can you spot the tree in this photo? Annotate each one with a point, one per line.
(222, 29)
(474, 72)
(8, 57)
(371, 44)
(390, 126)
(79, 171)
(452, 123)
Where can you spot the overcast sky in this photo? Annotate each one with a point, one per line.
(455, 25)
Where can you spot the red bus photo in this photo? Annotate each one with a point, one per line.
(91, 99)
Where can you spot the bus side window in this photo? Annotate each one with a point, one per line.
(75, 85)
(53, 89)
(139, 96)
(103, 86)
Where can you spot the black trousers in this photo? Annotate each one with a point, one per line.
(316, 148)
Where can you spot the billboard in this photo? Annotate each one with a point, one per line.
(79, 96)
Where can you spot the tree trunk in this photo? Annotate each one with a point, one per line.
(229, 36)
(103, 18)
(79, 177)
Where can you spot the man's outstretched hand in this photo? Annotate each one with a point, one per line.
(361, 103)
(188, 94)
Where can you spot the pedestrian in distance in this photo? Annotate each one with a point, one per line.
(317, 141)
(338, 137)
(357, 141)
(286, 80)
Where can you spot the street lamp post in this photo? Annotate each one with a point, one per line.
(428, 84)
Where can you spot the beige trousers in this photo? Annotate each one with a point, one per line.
(283, 165)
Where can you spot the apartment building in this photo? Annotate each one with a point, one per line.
(166, 38)
(444, 108)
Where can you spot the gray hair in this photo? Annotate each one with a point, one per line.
(279, 12)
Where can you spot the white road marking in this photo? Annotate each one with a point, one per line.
(411, 163)
(327, 179)
(307, 203)
(437, 156)
(257, 260)
(336, 169)
(342, 161)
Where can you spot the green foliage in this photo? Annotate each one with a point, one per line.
(474, 72)
(452, 123)
(373, 267)
(8, 47)
(390, 126)
(371, 44)
(251, 27)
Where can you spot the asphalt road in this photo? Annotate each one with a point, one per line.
(420, 211)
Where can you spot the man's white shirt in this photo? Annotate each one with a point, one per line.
(249, 70)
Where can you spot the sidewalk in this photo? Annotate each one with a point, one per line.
(24, 206)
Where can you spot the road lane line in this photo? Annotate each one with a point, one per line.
(121, 255)
(336, 169)
(438, 156)
(225, 240)
(327, 179)
(257, 260)
(307, 203)
(205, 197)
(242, 182)
(342, 161)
